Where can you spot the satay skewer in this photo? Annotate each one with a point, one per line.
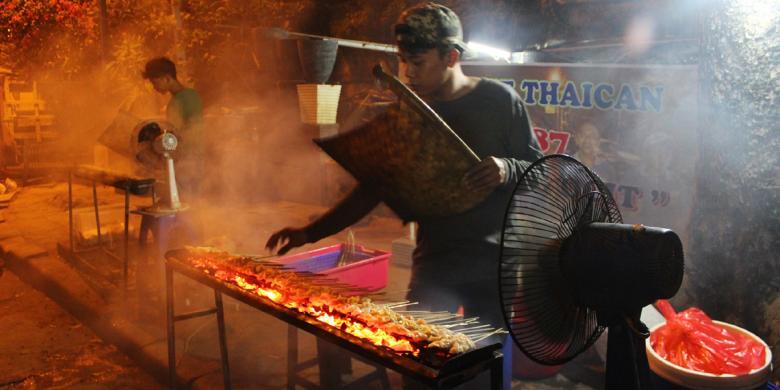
(486, 335)
(401, 304)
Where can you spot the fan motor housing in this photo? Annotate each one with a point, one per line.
(612, 266)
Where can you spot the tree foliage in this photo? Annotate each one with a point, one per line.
(54, 34)
(60, 39)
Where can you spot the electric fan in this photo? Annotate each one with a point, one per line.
(154, 147)
(570, 269)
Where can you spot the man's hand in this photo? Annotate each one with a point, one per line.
(382, 98)
(289, 238)
(375, 103)
(490, 173)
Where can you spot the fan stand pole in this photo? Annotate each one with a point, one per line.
(627, 366)
(173, 191)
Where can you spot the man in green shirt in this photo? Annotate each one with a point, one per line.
(185, 113)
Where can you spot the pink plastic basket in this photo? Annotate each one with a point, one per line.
(367, 269)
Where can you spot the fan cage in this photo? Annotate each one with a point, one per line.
(554, 196)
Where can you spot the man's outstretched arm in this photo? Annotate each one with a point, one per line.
(348, 211)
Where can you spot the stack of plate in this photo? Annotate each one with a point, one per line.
(402, 250)
(318, 103)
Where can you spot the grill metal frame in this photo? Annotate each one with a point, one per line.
(127, 184)
(452, 372)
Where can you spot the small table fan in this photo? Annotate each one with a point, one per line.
(570, 269)
(155, 147)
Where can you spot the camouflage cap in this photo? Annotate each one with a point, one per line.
(428, 26)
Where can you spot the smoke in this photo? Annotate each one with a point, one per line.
(257, 149)
(261, 152)
(639, 35)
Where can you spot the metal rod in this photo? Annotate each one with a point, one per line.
(194, 314)
(256, 257)
(281, 34)
(292, 355)
(400, 304)
(457, 320)
(478, 337)
(423, 312)
(496, 371)
(443, 319)
(600, 44)
(497, 331)
(426, 317)
(394, 292)
(325, 282)
(307, 274)
(70, 209)
(97, 212)
(171, 327)
(127, 233)
(222, 340)
(455, 325)
(475, 326)
(269, 264)
(475, 330)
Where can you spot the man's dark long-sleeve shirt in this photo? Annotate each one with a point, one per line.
(492, 121)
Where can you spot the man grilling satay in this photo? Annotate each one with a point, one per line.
(456, 259)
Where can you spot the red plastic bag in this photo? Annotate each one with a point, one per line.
(690, 339)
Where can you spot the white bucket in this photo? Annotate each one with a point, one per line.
(699, 380)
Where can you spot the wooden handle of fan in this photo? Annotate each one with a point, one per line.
(409, 97)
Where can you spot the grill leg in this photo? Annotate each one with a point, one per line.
(506, 356)
(496, 372)
(383, 380)
(292, 355)
(171, 324)
(222, 342)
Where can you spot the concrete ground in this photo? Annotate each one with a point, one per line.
(44, 347)
(82, 331)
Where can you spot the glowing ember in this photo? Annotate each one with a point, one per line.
(376, 336)
(357, 316)
(263, 292)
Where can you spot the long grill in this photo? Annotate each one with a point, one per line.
(440, 348)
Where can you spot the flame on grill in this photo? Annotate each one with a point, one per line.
(345, 323)
(357, 316)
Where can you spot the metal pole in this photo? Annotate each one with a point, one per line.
(292, 356)
(127, 231)
(279, 33)
(496, 374)
(384, 381)
(222, 340)
(171, 327)
(70, 209)
(97, 212)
